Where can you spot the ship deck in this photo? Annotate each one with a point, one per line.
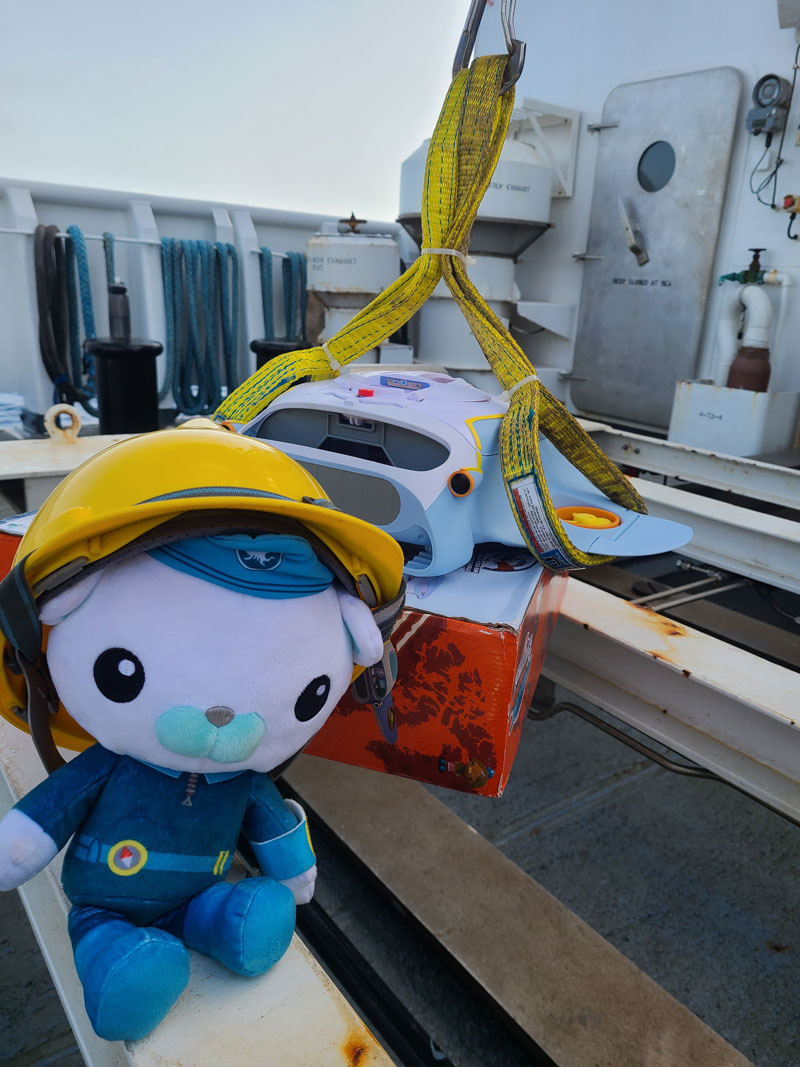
(604, 908)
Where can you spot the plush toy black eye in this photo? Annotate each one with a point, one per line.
(313, 698)
(119, 675)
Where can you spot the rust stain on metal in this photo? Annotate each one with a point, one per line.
(666, 629)
(664, 656)
(356, 1049)
(660, 623)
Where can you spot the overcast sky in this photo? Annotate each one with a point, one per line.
(301, 104)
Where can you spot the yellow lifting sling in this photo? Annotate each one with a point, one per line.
(462, 156)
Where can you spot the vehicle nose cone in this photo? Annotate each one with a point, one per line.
(219, 715)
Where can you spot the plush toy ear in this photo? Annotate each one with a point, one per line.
(59, 606)
(362, 628)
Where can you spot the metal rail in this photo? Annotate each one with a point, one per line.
(759, 637)
(723, 708)
(737, 539)
(749, 477)
(690, 770)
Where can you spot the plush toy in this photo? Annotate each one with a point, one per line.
(206, 606)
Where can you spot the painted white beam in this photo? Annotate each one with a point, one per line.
(763, 547)
(748, 477)
(720, 706)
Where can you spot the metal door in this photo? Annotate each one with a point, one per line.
(662, 168)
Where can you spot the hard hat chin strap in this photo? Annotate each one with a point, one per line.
(42, 703)
(19, 620)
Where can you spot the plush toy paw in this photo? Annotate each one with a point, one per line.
(132, 976)
(246, 925)
(24, 849)
(302, 885)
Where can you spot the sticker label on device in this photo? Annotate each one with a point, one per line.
(534, 518)
(403, 383)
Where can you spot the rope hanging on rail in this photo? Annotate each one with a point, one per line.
(79, 285)
(64, 295)
(201, 298)
(463, 153)
(48, 262)
(295, 296)
(108, 252)
(266, 293)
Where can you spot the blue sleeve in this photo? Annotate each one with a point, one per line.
(62, 801)
(267, 815)
(277, 831)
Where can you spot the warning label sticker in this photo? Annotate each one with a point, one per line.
(534, 518)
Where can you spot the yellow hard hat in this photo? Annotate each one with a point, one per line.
(198, 479)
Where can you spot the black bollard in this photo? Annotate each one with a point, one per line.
(267, 350)
(125, 368)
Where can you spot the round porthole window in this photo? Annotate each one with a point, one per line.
(656, 166)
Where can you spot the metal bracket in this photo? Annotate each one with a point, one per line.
(598, 127)
(667, 601)
(689, 769)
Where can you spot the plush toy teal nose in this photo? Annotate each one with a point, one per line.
(216, 733)
(219, 715)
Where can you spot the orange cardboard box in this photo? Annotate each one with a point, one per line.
(470, 648)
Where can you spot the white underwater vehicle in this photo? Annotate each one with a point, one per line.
(417, 453)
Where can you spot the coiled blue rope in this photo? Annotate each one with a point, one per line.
(228, 280)
(108, 251)
(266, 293)
(77, 260)
(201, 298)
(295, 295)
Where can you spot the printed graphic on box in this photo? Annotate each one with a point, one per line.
(456, 712)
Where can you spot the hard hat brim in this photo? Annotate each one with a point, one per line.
(360, 546)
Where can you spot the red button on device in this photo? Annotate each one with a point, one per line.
(365, 392)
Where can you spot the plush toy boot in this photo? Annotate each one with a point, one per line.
(247, 926)
(131, 975)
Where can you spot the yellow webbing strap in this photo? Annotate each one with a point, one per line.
(462, 156)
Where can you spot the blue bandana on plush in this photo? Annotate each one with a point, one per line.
(275, 566)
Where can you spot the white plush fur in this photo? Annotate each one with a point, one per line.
(24, 849)
(60, 605)
(202, 646)
(364, 634)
